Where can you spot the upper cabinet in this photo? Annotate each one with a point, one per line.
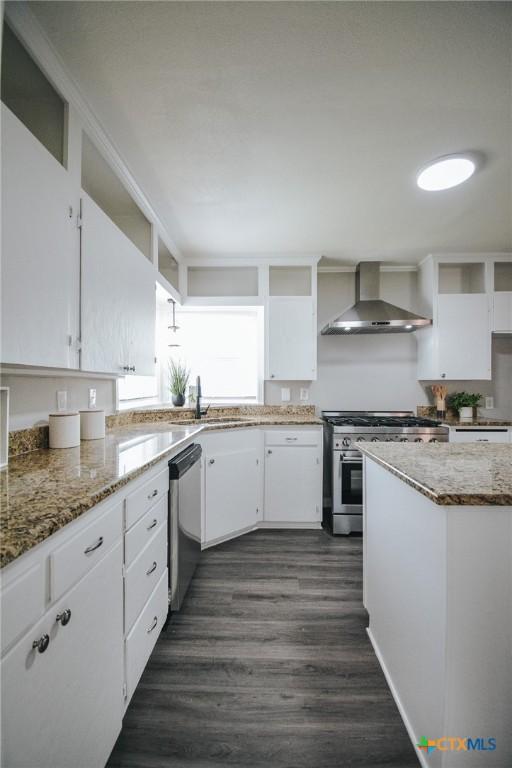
(502, 295)
(459, 293)
(40, 239)
(118, 303)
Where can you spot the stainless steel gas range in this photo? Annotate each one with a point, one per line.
(343, 462)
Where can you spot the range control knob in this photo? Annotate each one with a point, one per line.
(418, 440)
(403, 439)
(345, 442)
(375, 439)
(433, 440)
(360, 440)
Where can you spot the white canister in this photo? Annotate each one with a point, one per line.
(64, 429)
(92, 424)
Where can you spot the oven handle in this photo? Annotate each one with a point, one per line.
(350, 461)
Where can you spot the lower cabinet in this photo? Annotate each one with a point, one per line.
(232, 483)
(293, 477)
(63, 706)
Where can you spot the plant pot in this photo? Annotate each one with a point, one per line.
(178, 400)
(466, 412)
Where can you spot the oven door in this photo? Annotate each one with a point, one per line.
(347, 483)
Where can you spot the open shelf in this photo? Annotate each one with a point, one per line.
(101, 183)
(290, 281)
(461, 277)
(222, 281)
(31, 97)
(503, 275)
(167, 265)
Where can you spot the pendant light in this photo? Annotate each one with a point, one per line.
(173, 327)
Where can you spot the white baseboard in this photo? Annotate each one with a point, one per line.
(289, 526)
(413, 737)
(228, 537)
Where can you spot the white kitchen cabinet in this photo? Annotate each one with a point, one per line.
(64, 706)
(232, 490)
(293, 484)
(463, 336)
(291, 338)
(502, 312)
(453, 291)
(480, 435)
(118, 301)
(40, 253)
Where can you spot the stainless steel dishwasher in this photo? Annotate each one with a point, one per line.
(184, 521)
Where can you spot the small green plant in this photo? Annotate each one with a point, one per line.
(458, 400)
(179, 375)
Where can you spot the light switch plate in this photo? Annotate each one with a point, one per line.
(62, 400)
(92, 397)
(304, 393)
(285, 394)
(489, 402)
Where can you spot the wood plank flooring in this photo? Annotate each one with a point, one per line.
(267, 664)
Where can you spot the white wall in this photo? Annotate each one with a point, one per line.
(379, 371)
(32, 398)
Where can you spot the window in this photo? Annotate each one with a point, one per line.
(225, 347)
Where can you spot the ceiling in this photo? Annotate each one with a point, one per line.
(298, 128)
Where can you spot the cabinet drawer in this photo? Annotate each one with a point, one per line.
(291, 437)
(140, 533)
(22, 603)
(141, 640)
(143, 574)
(72, 560)
(479, 435)
(138, 502)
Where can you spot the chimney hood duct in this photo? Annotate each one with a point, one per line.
(370, 314)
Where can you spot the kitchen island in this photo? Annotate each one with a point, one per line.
(438, 590)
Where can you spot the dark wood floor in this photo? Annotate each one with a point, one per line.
(267, 664)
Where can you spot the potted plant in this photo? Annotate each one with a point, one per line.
(464, 403)
(179, 375)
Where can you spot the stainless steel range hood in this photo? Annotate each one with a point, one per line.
(370, 314)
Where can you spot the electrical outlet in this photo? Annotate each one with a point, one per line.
(92, 397)
(285, 394)
(62, 400)
(489, 403)
(304, 393)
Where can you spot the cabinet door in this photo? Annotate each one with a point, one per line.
(502, 312)
(291, 338)
(464, 336)
(63, 707)
(293, 485)
(40, 253)
(231, 492)
(118, 298)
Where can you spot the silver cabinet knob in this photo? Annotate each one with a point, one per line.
(132, 368)
(41, 644)
(443, 375)
(125, 368)
(212, 461)
(272, 375)
(269, 452)
(64, 617)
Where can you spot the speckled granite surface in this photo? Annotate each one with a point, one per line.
(43, 490)
(33, 438)
(450, 473)
(452, 418)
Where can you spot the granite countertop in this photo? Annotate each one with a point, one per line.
(450, 473)
(43, 490)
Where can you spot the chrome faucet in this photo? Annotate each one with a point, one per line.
(197, 414)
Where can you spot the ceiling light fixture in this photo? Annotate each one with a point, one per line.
(446, 172)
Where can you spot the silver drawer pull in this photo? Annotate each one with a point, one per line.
(153, 568)
(155, 622)
(290, 439)
(155, 522)
(64, 617)
(152, 495)
(41, 644)
(482, 440)
(90, 549)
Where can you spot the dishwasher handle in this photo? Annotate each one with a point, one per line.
(181, 463)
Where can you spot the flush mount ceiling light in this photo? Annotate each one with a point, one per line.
(446, 172)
